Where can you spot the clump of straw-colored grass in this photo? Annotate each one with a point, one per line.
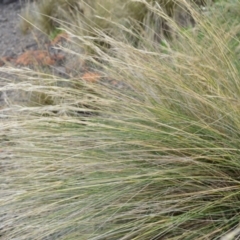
(156, 159)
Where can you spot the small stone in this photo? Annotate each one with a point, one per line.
(3, 20)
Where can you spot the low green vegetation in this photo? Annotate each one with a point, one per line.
(157, 158)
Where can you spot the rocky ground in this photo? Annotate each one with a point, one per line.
(25, 50)
(12, 41)
(35, 49)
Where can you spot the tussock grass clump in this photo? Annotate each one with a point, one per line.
(158, 159)
(106, 15)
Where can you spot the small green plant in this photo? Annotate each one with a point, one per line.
(54, 33)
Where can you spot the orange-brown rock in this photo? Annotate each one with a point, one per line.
(37, 58)
(91, 77)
